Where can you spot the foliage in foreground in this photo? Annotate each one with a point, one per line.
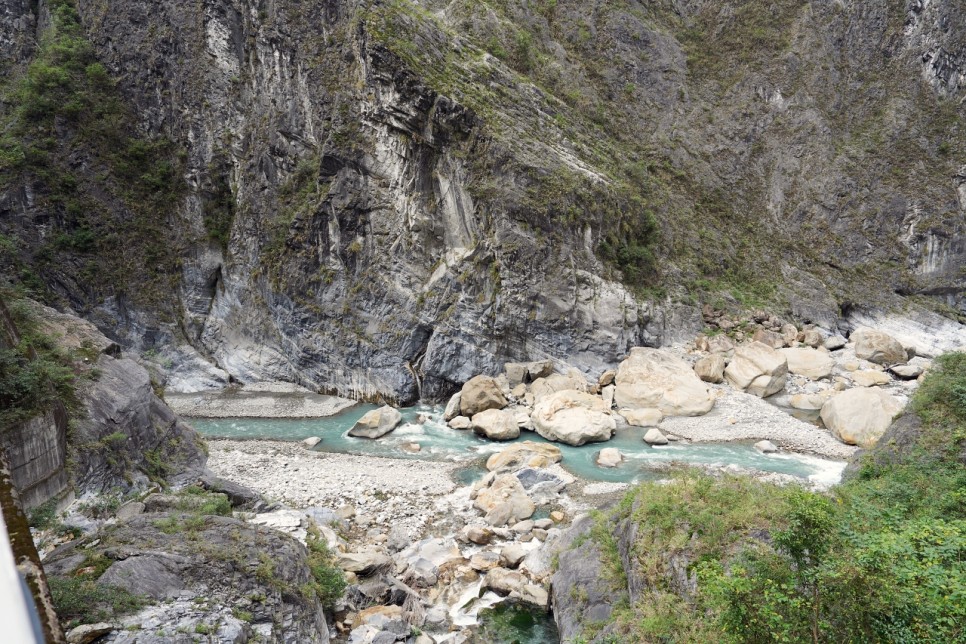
(881, 558)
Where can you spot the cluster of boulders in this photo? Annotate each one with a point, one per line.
(399, 587)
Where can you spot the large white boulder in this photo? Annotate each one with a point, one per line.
(480, 393)
(524, 454)
(757, 369)
(656, 379)
(878, 347)
(573, 417)
(549, 385)
(496, 424)
(808, 362)
(376, 423)
(710, 368)
(860, 416)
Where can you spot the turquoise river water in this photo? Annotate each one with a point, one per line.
(440, 443)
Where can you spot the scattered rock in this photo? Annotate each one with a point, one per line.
(496, 424)
(557, 516)
(870, 378)
(516, 373)
(808, 362)
(720, 344)
(607, 378)
(412, 448)
(485, 560)
(364, 564)
(452, 407)
(87, 633)
(642, 417)
(544, 387)
(376, 423)
(311, 441)
(757, 369)
(573, 417)
(766, 447)
(505, 501)
(128, 510)
(789, 334)
(810, 402)
(512, 555)
(710, 368)
(655, 437)
(812, 338)
(907, 371)
(460, 422)
(835, 343)
(860, 416)
(656, 379)
(878, 347)
(769, 338)
(609, 457)
(524, 454)
(479, 394)
(479, 535)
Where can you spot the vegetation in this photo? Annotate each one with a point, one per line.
(328, 582)
(79, 599)
(882, 557)
(112, 213)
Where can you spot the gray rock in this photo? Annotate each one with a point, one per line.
(87, 633)
(906, 371)
(128, 510)
(766, 447)
(311, 441)
(239, 495)
(835, 342)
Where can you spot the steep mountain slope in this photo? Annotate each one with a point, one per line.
(385, 198)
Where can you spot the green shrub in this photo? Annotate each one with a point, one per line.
(329, 583)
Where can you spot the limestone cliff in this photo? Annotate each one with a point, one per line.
(383, 199)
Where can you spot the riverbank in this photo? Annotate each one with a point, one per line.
(258, 400)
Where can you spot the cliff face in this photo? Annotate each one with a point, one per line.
(384, 199)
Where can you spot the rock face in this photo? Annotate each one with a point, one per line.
(757, 369)
(652, 378)
(878, 347)
(810, 363)
(860, 416)
(168, 568)
(573, 417)
(496, 424)
(376, 423)
(481, 393)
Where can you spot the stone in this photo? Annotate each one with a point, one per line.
(607, 378)
(311, 441)
(769, 338)
(655, 437)
(710, 368)
(364, 564)
(607, 395)
(878, 347)
(572, 417)
(129, 509)
(766, 447)
(496, 424)
(835, 342)
(460, 422)
(539, 534)
(524, 454)
(808, 362)
(870, 378)
(376, 423)
(860, 416)
(906, 371)
(452, 407)
(789, 334)
(522, 527)
(812, 338)
(544, 387)
(411, 448)
(642, 417)
(516, 373)
(810, 402)
(557, 516)
(87, 633)
(479, 394)
(720, 344)
(519, 392)
(656, 379)
(757, 369)
(504, 501)
(512, 555)
(485, 560)
(479, 535)
(609, 457)
(543, 524)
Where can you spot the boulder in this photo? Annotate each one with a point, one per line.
(757, 369)
(642, 417)
(540, 369)
(812, 338)
(808, 362)
(720, 344)
(609, 457)
(524, 454)
(544, 387)
(87, 633)
(478, 535)
(789, 334)
(607, 395)
(504, 501)
(870, 378)
(860, 416)
(452, 407)
(485, 560)
(376, 423)
(607, 378)
(573, 417)
(835, 343)
(810, 402)
(512, 555)
(460, 422)
(364, 564)
(878, 347)
(652, 378)
(770, 338)
(766, 447)
(479, 394)
(655, 437)
(516, 373)
(496, 424)
(907, 371)
(311, 441)
(710, 368)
